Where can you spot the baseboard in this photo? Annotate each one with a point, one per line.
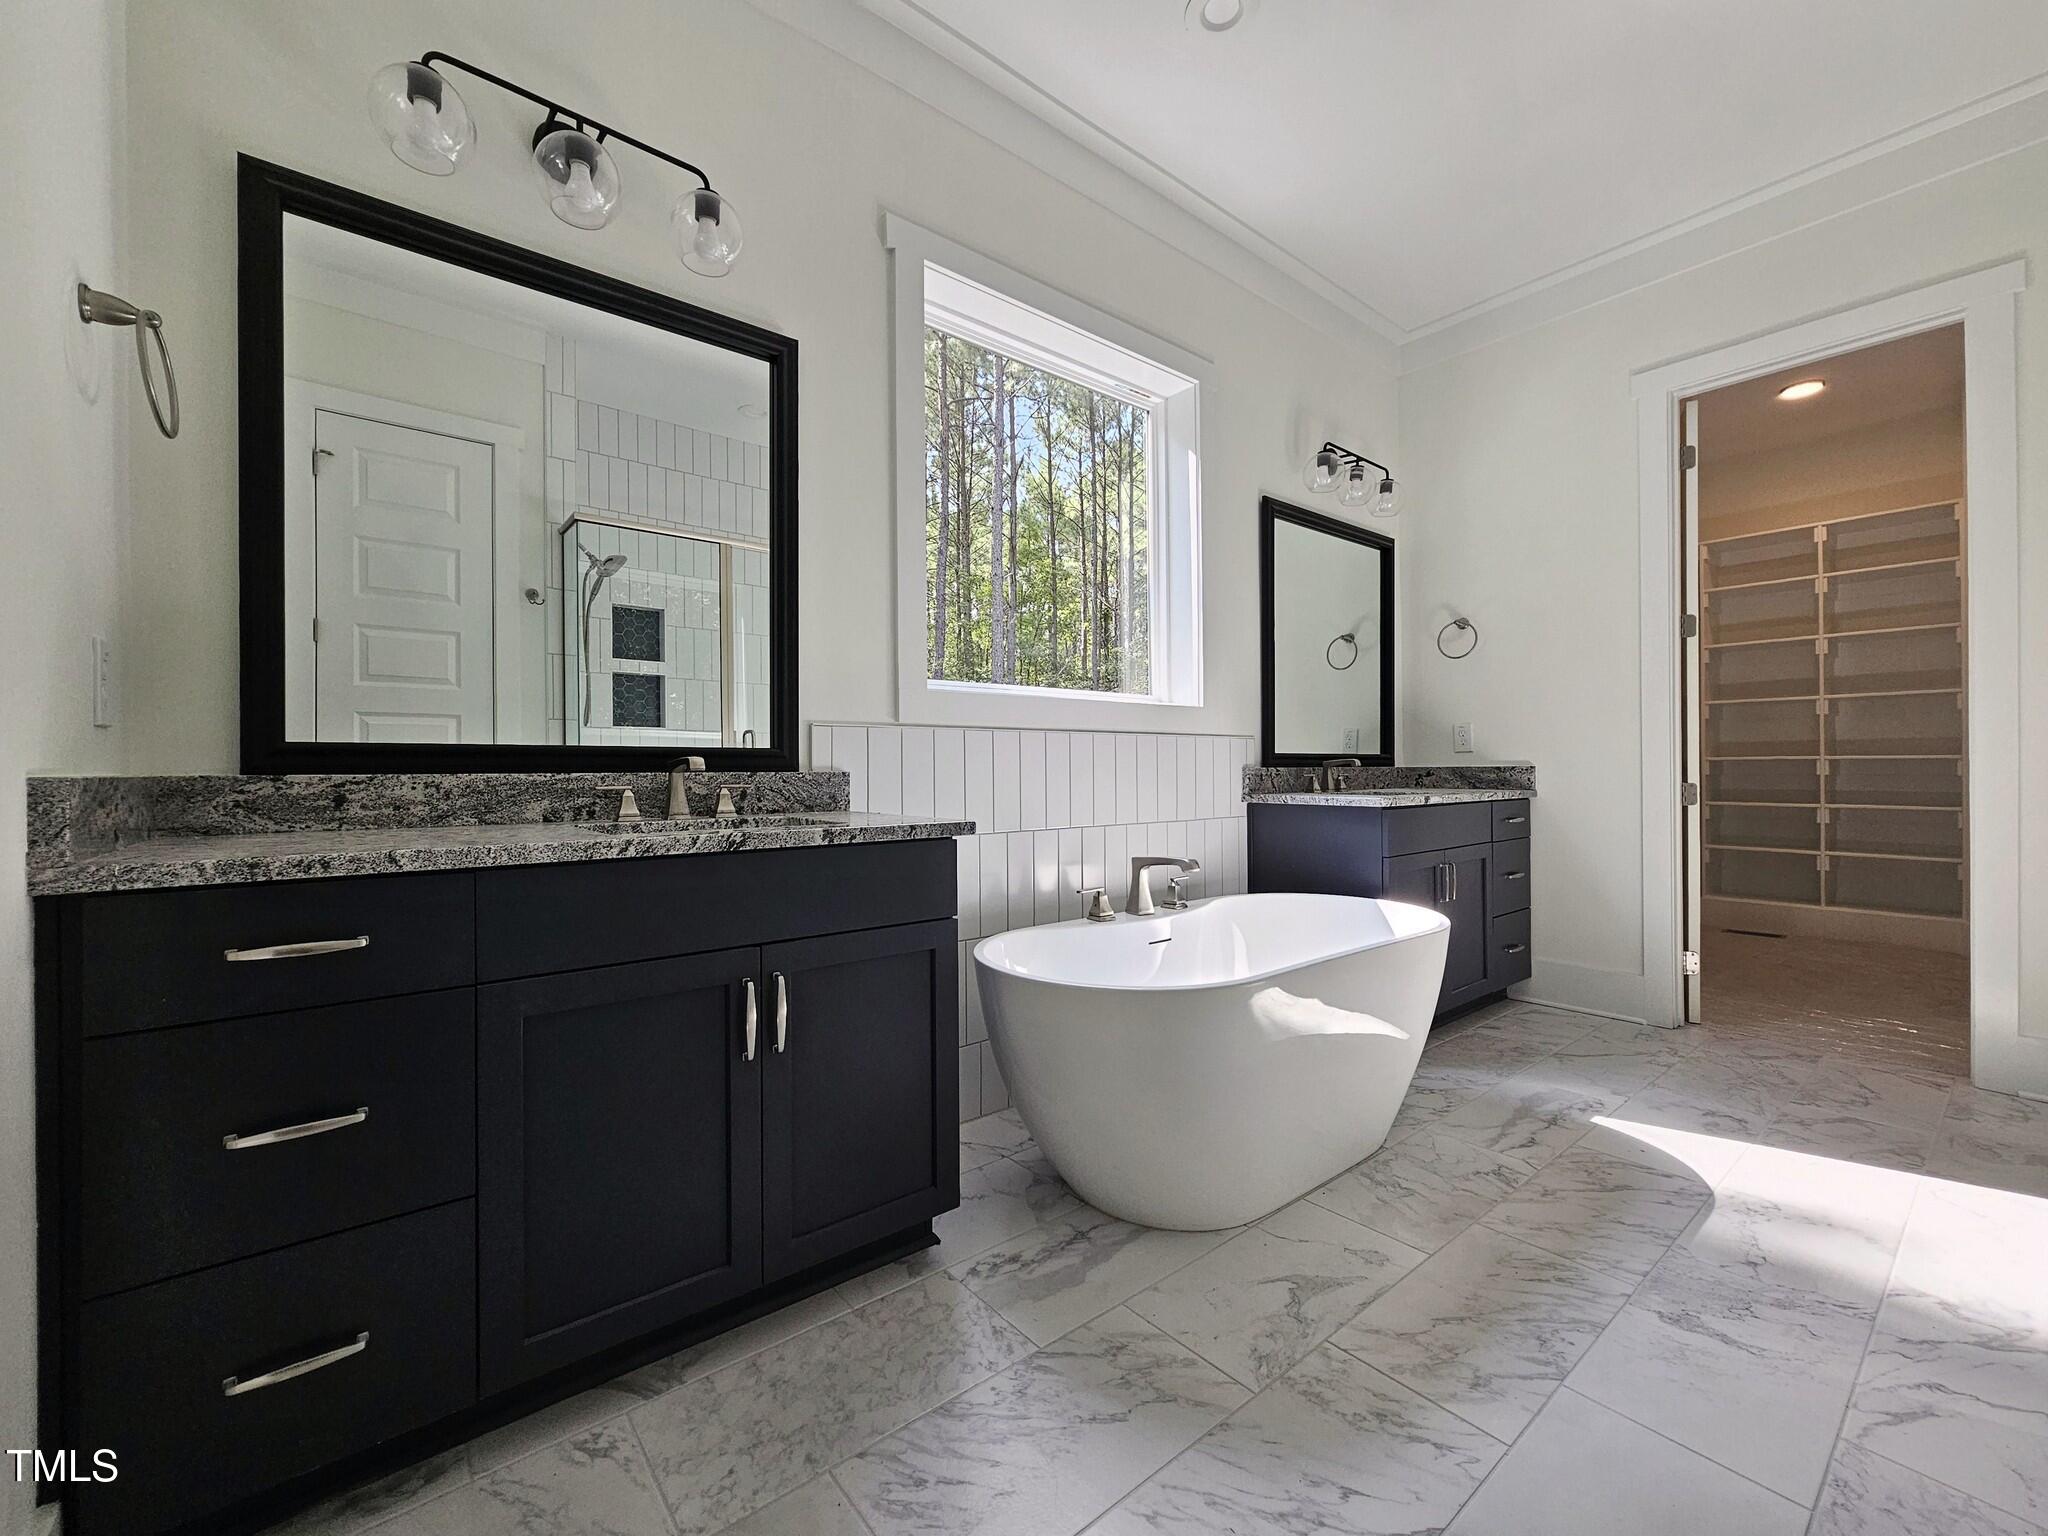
(1585, 989)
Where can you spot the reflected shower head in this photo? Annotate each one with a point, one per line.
(610, 565)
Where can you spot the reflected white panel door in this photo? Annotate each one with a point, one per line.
(1693, 692)
(402, 600)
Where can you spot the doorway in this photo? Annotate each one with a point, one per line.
(1825, 705)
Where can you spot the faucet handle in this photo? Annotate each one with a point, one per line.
(1099, 909)
(1176, 889)
(629, 808)
(725, 806)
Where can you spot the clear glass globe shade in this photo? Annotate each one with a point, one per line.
(578, 177)
(1386, 505)
(1324, 468)
(707, 231)
(1357, 489)
(421, 117)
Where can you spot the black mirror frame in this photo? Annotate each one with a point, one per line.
(266, 194)
(1272, 512)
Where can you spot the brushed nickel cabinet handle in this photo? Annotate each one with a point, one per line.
(235, 1386)
(781, 1013)
(1512, 949)
(1514, 821)
(295, 1132)
(753, 1020)
(1515, 874)
(300, 951)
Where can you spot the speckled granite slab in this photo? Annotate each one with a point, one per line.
(105, 834)
(1498, 781)
(159, 863)
(1388, 797)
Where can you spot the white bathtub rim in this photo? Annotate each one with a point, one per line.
(1435, 922)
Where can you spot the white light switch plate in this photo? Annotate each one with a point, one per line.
(1461, 738)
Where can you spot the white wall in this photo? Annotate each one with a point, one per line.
(812, 149)
(1916, 461)
(64, 398)
(1523, 457)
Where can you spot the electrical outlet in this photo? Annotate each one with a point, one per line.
(1351, 738)
(102, 680)
(1461, 738)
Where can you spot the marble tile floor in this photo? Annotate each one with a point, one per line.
(1602, 1279)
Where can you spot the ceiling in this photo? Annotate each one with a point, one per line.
(1913, 376)
(1422, 161)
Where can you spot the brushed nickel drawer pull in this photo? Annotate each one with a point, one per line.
(781, 1013)
(753, 1020)
(1512, 949)
(234, 1386)
(295, 1132)
(1514, 821)
(1514, 874)
(299, 951)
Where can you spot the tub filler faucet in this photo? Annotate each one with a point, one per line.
(1140, 903)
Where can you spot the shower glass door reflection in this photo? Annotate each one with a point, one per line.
(663, 638)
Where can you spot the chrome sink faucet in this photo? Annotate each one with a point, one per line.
(1140, 903)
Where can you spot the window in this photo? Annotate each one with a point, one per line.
(1048, 536)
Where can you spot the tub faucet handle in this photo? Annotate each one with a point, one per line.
(1176, 893)
(1099, 909)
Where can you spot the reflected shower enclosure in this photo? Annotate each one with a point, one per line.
(664, 636)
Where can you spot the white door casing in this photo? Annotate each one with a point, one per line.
(402, 545)
(1692, 722)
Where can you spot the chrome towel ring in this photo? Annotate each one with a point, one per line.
(97, 308)
(1464, 624)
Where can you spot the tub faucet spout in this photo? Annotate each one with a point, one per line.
(1140, 903)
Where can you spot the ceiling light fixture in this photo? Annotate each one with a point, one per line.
(1805, 389)
(1343, 470)
(427, 125)
(1214, 15)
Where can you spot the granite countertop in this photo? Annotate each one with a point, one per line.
(162, 862)
(1385, 797)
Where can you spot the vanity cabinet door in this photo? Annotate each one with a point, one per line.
(1454, 882)
(860, 1089)
(619, 1157)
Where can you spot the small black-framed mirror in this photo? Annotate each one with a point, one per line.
(1326, 642)
(498, 512)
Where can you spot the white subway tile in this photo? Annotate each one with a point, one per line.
(1081, 779)
(978, 754)
(1240, 754)
(967, 870)
(1031, 779)
(1241, 865)
(718, 468)
(949, 767)
(665, 444)
(1091, 856)
(1009, 800)
(1205, 776)
(885, 770)
(995, 883)
(1045, 876)
(607, 431)
(918, 796)
(1073, 872)
(1105, 778)
(1126, 805)
(1188, 748)
(1147, 808)
(850, 752)
(1116, 866)
(586, 426)
(970, 1083)
(994, 1094)
(1022, 884)
(973, 1023)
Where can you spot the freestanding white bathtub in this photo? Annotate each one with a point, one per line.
(1201, 1068)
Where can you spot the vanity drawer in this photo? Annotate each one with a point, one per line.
(155, 1367)
(1425, 828)
(1509, 880)
(159, 1191)
(151, 958)
(1508, 953)
(541, 919)
(1510, 819)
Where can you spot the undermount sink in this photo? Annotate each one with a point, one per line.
(715, 823)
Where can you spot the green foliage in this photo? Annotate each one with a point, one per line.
(1037, 526)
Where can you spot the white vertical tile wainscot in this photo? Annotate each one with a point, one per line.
(1056, 811)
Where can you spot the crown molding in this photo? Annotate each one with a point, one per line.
(859, 31)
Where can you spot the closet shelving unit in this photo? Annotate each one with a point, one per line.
(1833, 715)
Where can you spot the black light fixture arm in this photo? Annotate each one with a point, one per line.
(555, 110)
(1352, 456)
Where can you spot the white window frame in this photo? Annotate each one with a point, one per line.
(978, 299)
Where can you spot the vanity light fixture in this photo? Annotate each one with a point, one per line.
(1805, 389)
(424, 120)
(1333, 467)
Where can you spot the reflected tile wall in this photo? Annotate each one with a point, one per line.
(1056, 811)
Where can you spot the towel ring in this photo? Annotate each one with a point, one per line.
(1335, 665)
(97, 308)
(1464, 624)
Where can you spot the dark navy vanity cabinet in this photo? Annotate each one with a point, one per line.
(1469, 860)
(337, 1165)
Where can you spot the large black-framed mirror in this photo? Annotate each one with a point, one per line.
(1326, 643)
(498, 512)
